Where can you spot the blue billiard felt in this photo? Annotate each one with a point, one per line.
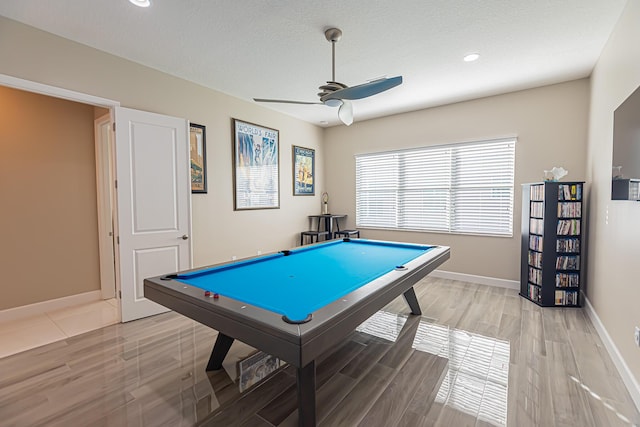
(308, 278)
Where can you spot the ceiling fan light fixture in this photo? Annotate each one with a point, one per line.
(345, 113)
(470, 57)
(141, 3)
(333, 102)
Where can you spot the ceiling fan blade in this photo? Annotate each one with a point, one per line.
(364, 90)
(284, 101)
(345, 113)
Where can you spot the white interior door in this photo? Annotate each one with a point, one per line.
(154, 205)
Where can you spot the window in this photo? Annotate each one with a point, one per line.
(459, 188)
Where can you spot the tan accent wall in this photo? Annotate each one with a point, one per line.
(99, 112)
(614, 226)
(550, 123)
(49, 245)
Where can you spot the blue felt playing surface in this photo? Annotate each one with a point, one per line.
(307, 279)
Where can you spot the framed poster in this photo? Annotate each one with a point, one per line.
(304, 164)
(198, 155)
(256, 174)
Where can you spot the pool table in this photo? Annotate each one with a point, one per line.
(297, 304)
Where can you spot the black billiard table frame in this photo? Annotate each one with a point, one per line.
(298, 344)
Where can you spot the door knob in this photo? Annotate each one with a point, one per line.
(184, 237)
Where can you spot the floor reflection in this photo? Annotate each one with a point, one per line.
(597, 397)
(384, 325)
(478, 374)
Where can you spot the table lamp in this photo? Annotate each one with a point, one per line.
(325, 203)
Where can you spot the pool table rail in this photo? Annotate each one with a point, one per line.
(251, 325)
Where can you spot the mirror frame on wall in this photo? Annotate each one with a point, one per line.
(625, 168)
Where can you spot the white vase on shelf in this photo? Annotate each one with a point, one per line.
(555, 174)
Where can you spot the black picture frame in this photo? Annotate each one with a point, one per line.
(256, 166)
(198, 157)
(304, 171)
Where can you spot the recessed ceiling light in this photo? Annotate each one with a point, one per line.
(324, 122)
(141, 3)
(471, 57)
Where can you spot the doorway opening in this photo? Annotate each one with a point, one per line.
(103, 167)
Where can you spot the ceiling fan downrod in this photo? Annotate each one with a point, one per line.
(333, 35)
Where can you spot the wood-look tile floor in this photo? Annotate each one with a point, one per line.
(479, 356)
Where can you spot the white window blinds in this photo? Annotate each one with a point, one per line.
(459, 188)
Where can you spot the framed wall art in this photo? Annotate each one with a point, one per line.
(304, 164)
(256, 174)
(198, 155)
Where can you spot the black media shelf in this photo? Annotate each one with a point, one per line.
(552, 261)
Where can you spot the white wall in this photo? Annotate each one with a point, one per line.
(550, 123)
(614, 226)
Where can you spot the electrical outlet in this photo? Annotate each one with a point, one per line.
(637, 336)
(259, 252)
(233, 258)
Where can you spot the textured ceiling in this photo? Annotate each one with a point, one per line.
(277, 49)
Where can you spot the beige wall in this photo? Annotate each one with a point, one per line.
(219, 232)
(49, 245)
(614, 226)
(550, 123)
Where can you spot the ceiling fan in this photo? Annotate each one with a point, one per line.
(335, 94)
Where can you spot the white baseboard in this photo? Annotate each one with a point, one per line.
(29, 310)
(483, 280)
(627, 376)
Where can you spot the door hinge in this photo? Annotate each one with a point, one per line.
(115, 183)
(114, 126)
(118, 239)
(119, 294)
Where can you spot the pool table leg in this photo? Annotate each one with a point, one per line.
(412, 300)
(219, 352)
(307, 395)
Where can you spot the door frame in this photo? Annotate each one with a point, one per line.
(57, 92)
(105, 173)
(101, 162)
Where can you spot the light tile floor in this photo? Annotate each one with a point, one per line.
(19, 335)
